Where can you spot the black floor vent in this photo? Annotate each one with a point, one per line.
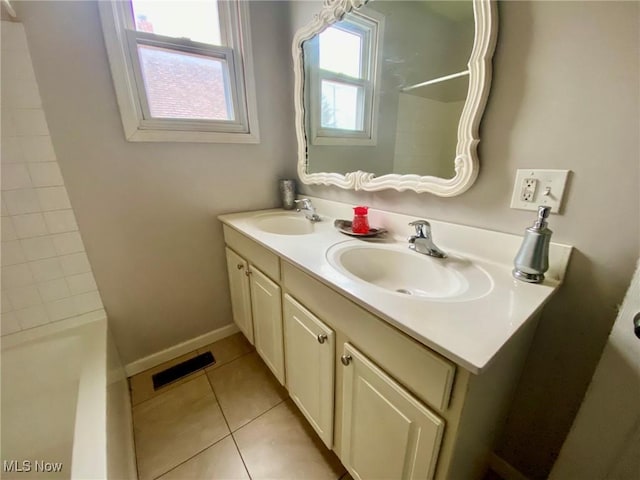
(183, 369)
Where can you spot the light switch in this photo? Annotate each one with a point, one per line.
(539, 187)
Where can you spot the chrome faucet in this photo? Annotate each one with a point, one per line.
(422, 242)
(310, 211)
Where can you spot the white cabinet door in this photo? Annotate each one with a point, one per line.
(238, 268)
(266, 306)
(310, 360)
(386, 432)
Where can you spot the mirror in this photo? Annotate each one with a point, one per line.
(389, 95)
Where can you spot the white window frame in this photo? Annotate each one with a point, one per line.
(370, 26)
(121, 39)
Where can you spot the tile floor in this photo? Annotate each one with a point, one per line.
(232, 420)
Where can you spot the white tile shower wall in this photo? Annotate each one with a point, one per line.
(46, 276)
(432, 120)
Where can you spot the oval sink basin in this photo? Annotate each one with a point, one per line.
(284, 223)
(400, 271)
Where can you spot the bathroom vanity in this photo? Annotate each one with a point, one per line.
(408, 382)
(404, 364)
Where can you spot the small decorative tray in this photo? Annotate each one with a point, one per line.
(345, 227)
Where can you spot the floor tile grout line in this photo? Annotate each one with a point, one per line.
(221, 409)
(192, 456)
(193, 376)
(233, 435)
(225, 364)
(260, 415)
(249, 422)
(176, 385)
(244, 464)
(200, 451)
(213, 367)
(224, 417)
(241, 456)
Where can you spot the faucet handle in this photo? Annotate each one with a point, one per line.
(303, 203)
(423, 228)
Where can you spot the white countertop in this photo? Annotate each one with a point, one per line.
(470, 333)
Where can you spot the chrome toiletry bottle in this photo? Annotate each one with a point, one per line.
(532, 259)
(287, 193)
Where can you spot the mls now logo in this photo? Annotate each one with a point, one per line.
(17, 466)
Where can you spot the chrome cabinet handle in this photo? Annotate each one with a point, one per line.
(248, 272)
(346, 359)
(321, 338)
(239, 266)
(636, 324)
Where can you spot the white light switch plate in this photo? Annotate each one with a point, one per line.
(547, 188)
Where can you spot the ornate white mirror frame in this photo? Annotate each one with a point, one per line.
(466, 159)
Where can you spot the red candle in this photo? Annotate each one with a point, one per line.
(360, 222)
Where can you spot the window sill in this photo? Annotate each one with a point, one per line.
(344, 141)
(146, 135)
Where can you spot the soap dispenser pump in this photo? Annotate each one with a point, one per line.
(532, 259)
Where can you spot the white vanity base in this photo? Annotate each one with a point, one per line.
(403, 387)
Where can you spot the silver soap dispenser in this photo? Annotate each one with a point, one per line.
(532, 259)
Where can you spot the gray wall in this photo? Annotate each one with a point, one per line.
(147, 211)
(565, 95)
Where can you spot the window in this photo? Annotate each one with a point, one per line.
(182, 69)
(342, 68)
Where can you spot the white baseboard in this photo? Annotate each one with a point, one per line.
(157, 358)
(505, 469)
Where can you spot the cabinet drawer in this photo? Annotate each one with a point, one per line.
(255, 253)
(428, 375)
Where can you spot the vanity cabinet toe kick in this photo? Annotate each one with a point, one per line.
(389, 406)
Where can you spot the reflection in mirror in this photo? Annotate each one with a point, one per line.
(340, 66)
(403, 55)
(392, 93)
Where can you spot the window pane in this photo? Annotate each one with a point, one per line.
(341, 52)
(341, 106)
(196, 20)
(185, 85)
